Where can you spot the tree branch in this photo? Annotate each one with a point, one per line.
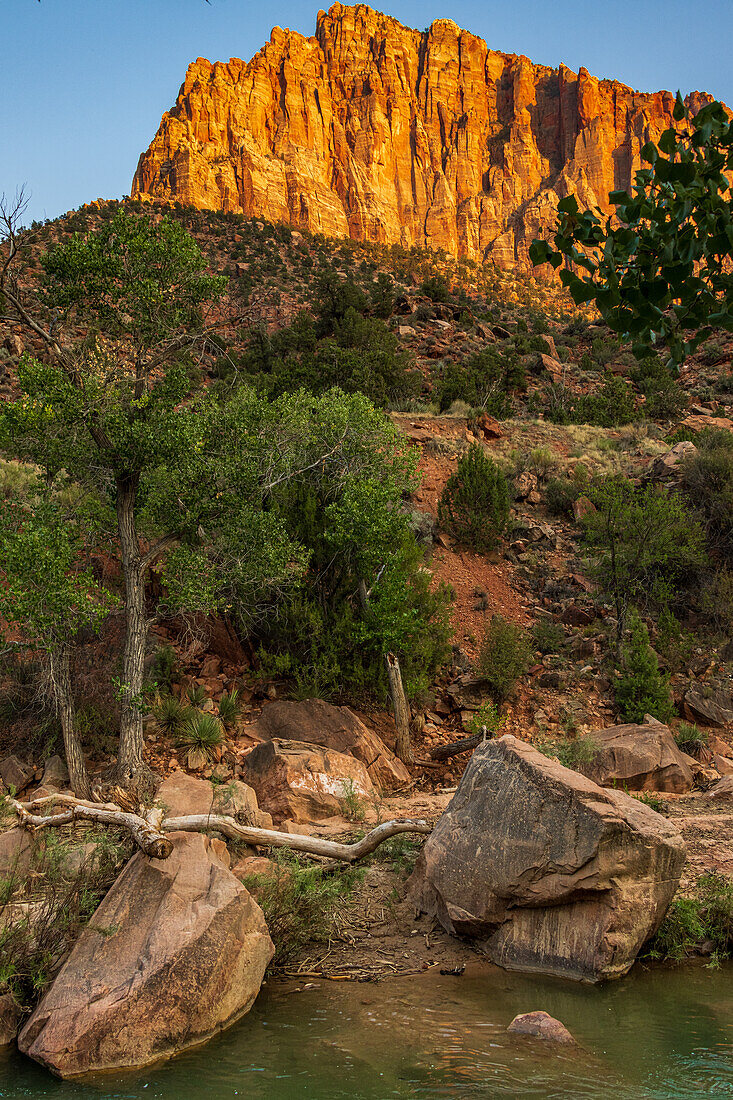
(148, 832)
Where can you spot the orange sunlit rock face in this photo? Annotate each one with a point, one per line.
(372, 130)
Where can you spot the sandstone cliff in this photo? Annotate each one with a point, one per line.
(379, 132)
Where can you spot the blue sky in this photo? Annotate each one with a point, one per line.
(84, 82)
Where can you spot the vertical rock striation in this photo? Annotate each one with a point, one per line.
(372, 130)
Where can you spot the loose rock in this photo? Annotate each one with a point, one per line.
(320, 723)
(542, 1026)
(640, 758)
(305, 782)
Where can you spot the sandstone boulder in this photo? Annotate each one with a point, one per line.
(667, 467)
(698, 423)
(722, 789)
(55, 774)
(305, 782)
(320, 723)
(640, 758)
(180, 956)
(181, 794)
(547, 871)
(715, 709)
(16, 773)
(541, 1026)
(16, 848)
(10, 1016)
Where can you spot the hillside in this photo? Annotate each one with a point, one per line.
(378, 132)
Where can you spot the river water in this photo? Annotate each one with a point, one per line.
(655, 1035)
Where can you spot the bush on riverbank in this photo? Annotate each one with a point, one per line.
(702, 924)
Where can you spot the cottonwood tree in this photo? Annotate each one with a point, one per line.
(49, 596)
(659, 270)
(116, 310)
(190, 478)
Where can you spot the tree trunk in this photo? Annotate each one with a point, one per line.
(400, 708)
(60, 668)
(130, 758)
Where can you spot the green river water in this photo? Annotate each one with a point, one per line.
(658, 1034)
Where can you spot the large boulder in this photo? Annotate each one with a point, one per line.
(338, 728)
(55, 774)
(16, 850)
(304, 782)
(639, 758)
(714, 709)
(10, 1016)
(181, 794)
(175, 953)
(547, 871)
(668, 466)
(15, 773)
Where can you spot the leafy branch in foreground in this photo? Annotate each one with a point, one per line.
(659, 269)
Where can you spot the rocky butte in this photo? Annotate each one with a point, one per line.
(372, 130)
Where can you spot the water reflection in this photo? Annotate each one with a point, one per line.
(657, 1035)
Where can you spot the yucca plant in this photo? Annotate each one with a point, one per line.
(229, 705)
(170, 713)
(201, 734)
(196, 694)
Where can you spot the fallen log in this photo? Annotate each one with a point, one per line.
(152, 842)
(310, 845)
(444, 752)
(149, 833)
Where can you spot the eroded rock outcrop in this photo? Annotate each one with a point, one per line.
(175, 953)
(181, 794)
(320, 723)
(305, 782)
(639, 758)
(372, 130)
(547, 871)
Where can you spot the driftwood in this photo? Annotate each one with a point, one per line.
(148, 838)
(149, 832)
(444, 752)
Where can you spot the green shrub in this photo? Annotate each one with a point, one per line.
(548, 636)
(165, 668)
(708, 485)
(196, 695)
(705, 918)
(299, 903)
(642, 688)
(611, 407)
(486, 717)
(504, 656)
(571, 752)
(653, 801)
(201, 734)
(474, 506)
(435, 288)
(690, 738)
(170, 714)
(57, 899)
(560, 495)
(647, 549)
(485, 380)
(229, 707)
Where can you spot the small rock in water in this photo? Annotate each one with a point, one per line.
(542, 1026)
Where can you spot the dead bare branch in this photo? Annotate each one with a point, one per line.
(149, 832)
